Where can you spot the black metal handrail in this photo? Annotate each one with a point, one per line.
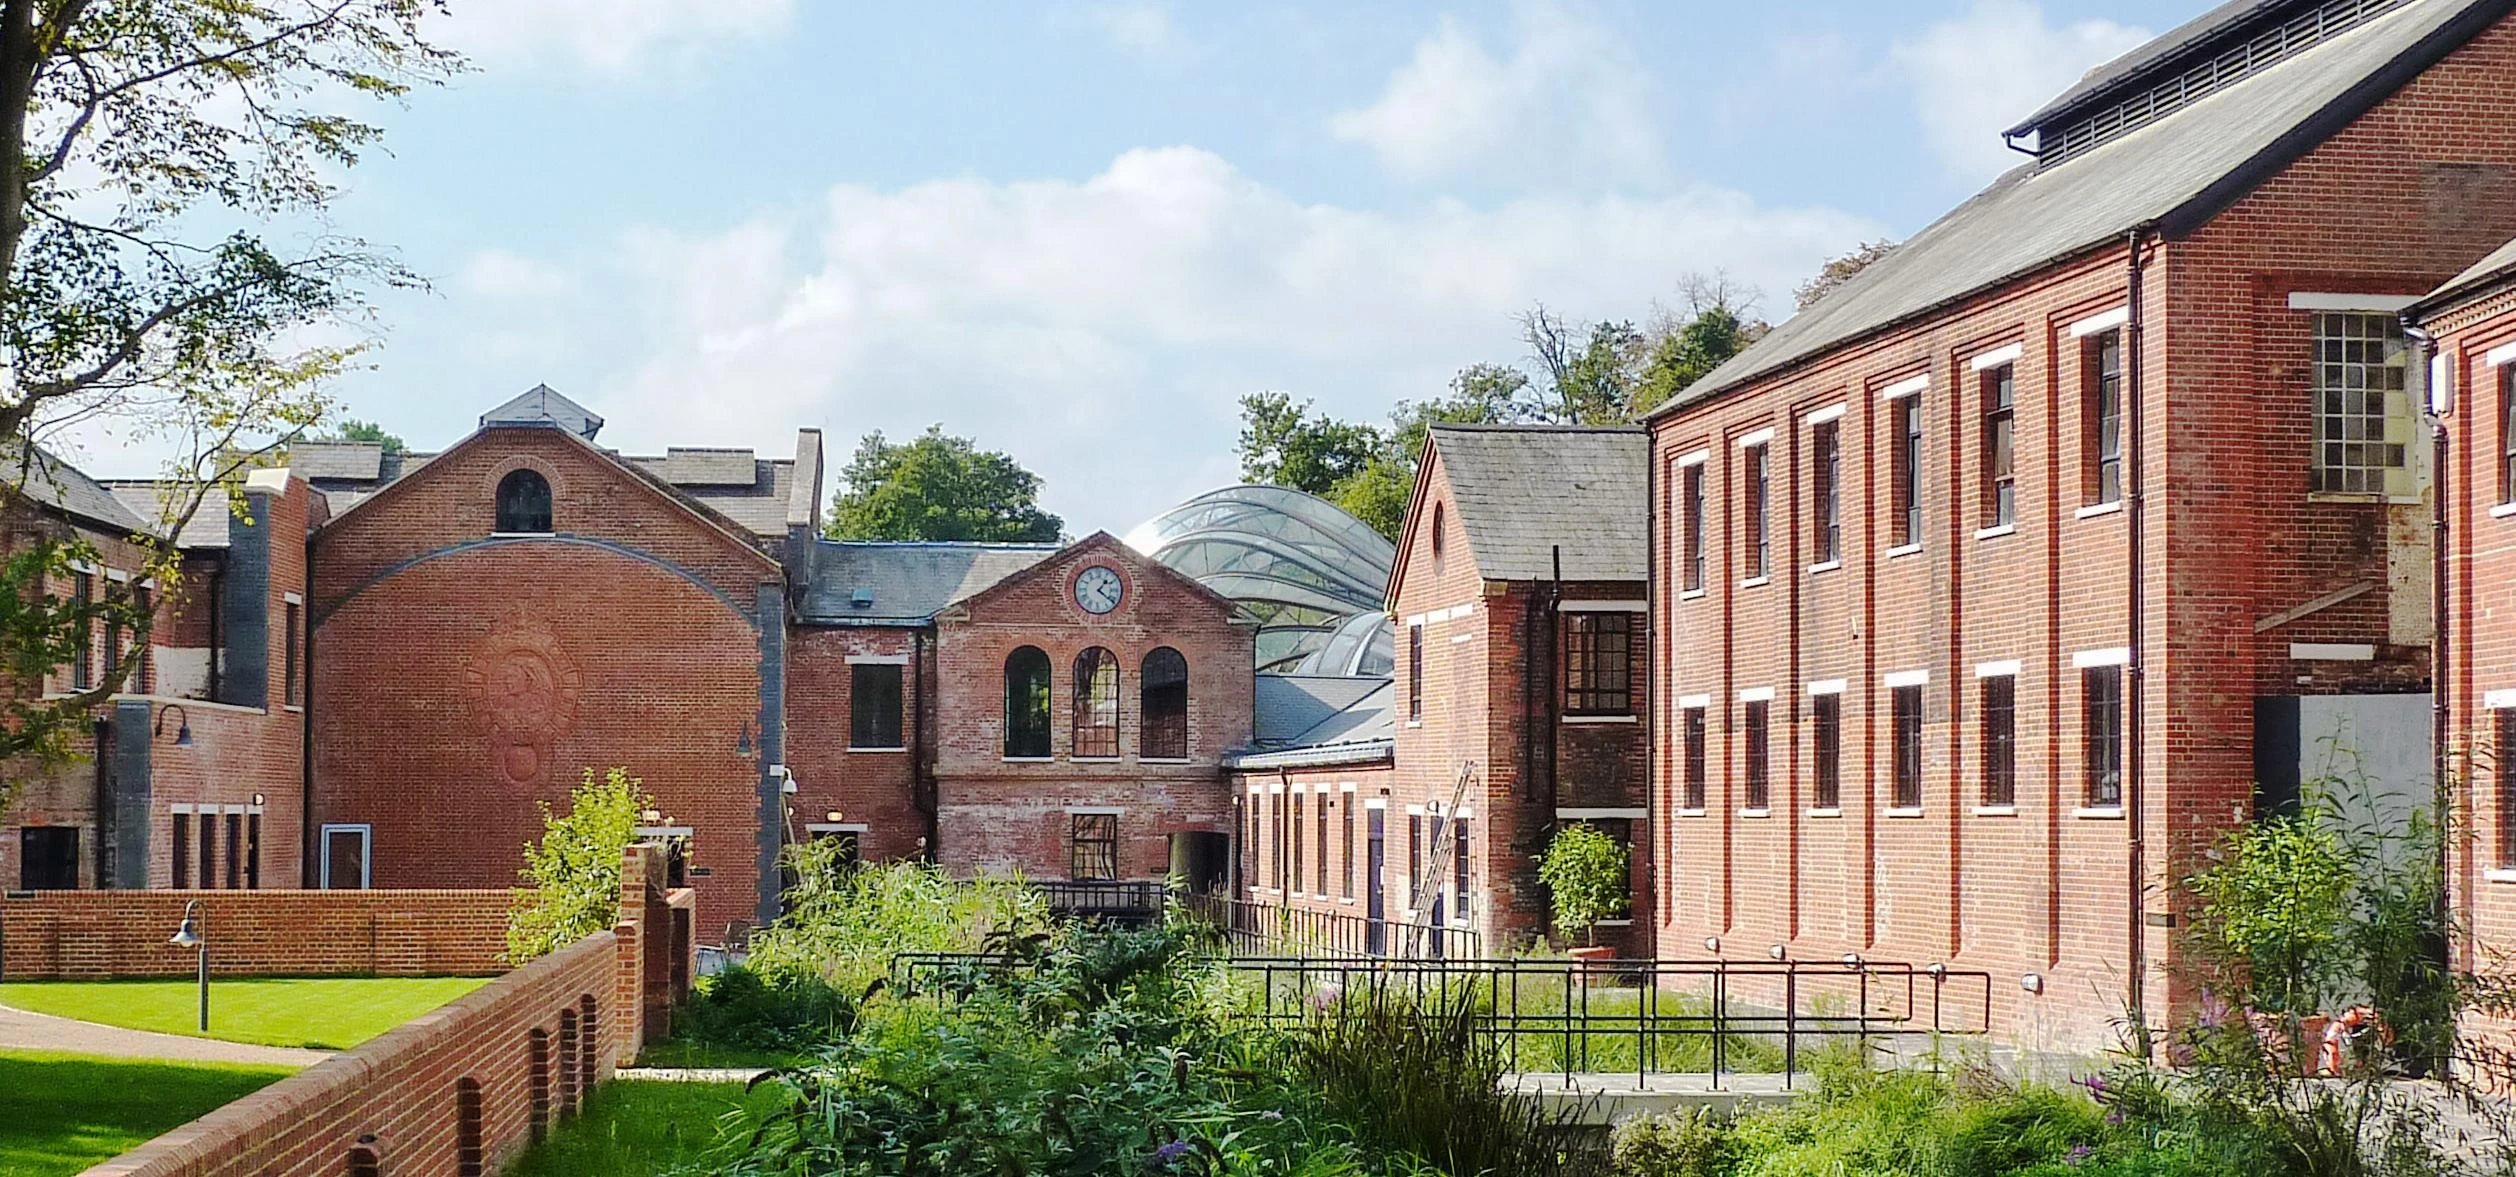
(1251, 928)
(1125, 898)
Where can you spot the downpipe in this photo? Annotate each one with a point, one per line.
(2135, 693)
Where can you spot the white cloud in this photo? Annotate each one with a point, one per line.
(1979, 73)
(501, 275)
(606, 36)
(1566, 97)
(1103, 330)
(1143, 28)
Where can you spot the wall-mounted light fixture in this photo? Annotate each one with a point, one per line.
(183, 723)
(2032, 982)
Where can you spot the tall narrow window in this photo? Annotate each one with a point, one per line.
(1906, 490)
(1319, 821)
(2102, 417)
(1283, 882)
(2362, 402)
(1756, 487)
(2507, 433)
(209, 850)
(83, 597)
(2102, 687)
(1095, 846)
(2000, 740)
(1691, 550)
(253, 851)
(1697, 753)
(182, 847)
(873, 706)
(1905, 708)
(1598, 663)
(1415, 863)
(1756, 733)
(1415, 673)
(2504, 771)
(1026, 703)
(1163, 709)
(1294, 869)
(1825, 444)
(235, 850)
(1459, 858)
(1827, 712)
(292, 692)
(2000, 446)
(144, 675)
(523, 503)
(113, 646)
(1096, 704)
(1345, 859)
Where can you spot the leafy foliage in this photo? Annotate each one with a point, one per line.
(368, 432)
(1586, 872)
(1838, 271)
(842, 925)
(939, 488)
(572, 876)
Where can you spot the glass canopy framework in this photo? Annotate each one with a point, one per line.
(1315, 577)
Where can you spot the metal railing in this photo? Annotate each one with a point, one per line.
(1653, 1016)
(1254, 929)
(1119, 899)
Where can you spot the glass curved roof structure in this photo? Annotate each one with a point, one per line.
(1314, 576)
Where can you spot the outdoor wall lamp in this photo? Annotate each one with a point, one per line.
(183, 723)
(2032, 982)
(1778, 952)
(193, 935)
(1712, 944)
(832, 817)
(1851, 960)
(1938, 972)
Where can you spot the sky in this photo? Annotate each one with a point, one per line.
(1079, 232)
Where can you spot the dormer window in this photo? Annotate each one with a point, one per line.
(523, 504)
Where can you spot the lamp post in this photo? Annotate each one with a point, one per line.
(190, 936)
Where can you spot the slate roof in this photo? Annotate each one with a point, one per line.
(1520, 490)
(1320, 719)
(207, 528)
(357, 461)
(746, 489)
(2488, 272)
(543, 405)
(44, 478)
(909, 582)
(2176, 172)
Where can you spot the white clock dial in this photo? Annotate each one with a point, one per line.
(1098, 589)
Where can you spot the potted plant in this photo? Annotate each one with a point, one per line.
(1586, 872)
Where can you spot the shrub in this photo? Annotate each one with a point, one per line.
(739, 1008)
(843, 924)
(572, 876)
(1692, 1143)
(1586, 872)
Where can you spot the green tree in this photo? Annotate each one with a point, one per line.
(1838, 271)
(136, 130)
(939, 488)
(572, 876)
(368, 432)
(1288, 444)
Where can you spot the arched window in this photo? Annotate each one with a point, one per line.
(1096, 703)
(1164, 706)
(523, 503)
(1026, 703)
(468, 1154)
(1437, 529)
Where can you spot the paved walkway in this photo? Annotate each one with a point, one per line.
(20, 1030)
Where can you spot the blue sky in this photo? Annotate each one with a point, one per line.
(1078, 231)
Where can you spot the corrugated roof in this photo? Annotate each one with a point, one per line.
(906, 582)
(2500, 264)
(2180, 167)
(1522, 490)
(43, 477)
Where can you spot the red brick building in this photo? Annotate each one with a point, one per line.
(2471, 325)
(1323, 749)
(1991, 588)
(193, 776)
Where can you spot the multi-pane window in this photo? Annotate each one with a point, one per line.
(1415, 674)
(1415, 861)
(83, 667)
(1345, 857)
(1757, 488)
(235, 851)
(144, 675)
(1026, 703)
(113, 646)
(1697, 750)
(523, 503)
(2000, 740)
(1319, 884)
(2362, 402)
(1096, 704)
(1827, 714)
(2507, 434)
(1294, 868)
(2000, 446)
(209, 851)
(1756, 732)
(1162, 690)
(2504, 770)
(1905, 710)
(1825, 443)
(2102, 689)
(1691, 555)
(2102, 417)
(253, 851)
(292, 693)
(1598, 663)
(1095, 846)
(873, 702)
(1282, 880)
(1459, 867)
(1906, 475)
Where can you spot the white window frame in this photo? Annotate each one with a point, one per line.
(366, 857)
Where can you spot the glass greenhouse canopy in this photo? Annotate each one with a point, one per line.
(1315, 577)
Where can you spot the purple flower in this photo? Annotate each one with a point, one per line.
(2078, 1153)
(1169, 1154)
(1325, 998)
(1270, 1114)
(2096, 1087)
(2116, 1118)
(2214, 1010)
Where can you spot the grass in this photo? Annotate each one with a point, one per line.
(634, 1128)
(61, 1113)
(684, 1052)
(326, 1013)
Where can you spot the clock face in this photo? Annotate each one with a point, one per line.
(1098, 589)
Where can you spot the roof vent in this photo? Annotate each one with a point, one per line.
(862, 598)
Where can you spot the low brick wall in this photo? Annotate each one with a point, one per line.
(85, 935)
(462, 1089)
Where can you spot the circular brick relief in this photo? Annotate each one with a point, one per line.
(520, 689)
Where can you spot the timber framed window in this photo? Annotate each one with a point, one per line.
(2000, 446)
(1826, 716)
(83, 597)
(2000, 740)
(2507, 433)
(873, 707)
(1094, 846)
(1905, 711)
(1756, 733)
(1825, 468)
(1691, 530)
(1027, 704)
(2503, 772)
(1162, 685)
(523, 503)
(1598, 663)
(1697, 751)
(2101, 417)
(1906, 486)
(1756, 489)
(1096, 705)
(1415, 673)
(2101, 690)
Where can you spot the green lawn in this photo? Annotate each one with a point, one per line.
(60, 1113)
(327, 1013)
(634, 1128)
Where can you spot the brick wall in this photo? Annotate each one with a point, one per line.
(877, 789)
(1334, 878)
(98, 934)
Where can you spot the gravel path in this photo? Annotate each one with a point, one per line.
(20, 1030)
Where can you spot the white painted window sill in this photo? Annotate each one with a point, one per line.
(1996, 811)
(1752, 812)
(2098, 813)
(1614, 924)
(2503, 510)
(2499, 875)
(1903, 550)
(1027, 759)
(1165, 760)
(1096, 759)
(1826, 811)
(2091, 512)
(1904, 811)
(1602, 719)
(852, 749)
(1824, 566)
(1415, 723)
(1693, 812)
(1691, 595)
(1348, 901)
(294, 708)
(1755, 582)
(1997, 532)
(2344, 496)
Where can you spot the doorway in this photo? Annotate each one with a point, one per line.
(1375, 903)
(48, 858)
(345, 857)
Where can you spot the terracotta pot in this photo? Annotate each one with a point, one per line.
(1594, 956)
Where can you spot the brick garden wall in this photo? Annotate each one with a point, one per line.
(98, 934)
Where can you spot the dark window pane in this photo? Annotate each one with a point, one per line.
(2000, 740)
(1095, 846)
(1598, 663)
(1096, 703)
(1026, 703)
(2000, 456)
(1756, 734)
(2104, 418)
(874, 705)
(1906, 708)
(1164, 706)
(2102, 687)
(1693, 556)
(1415, 673)
(1826, 471)
(48, 858)
(523, 503)
(1827, 711)
(1696, 751)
